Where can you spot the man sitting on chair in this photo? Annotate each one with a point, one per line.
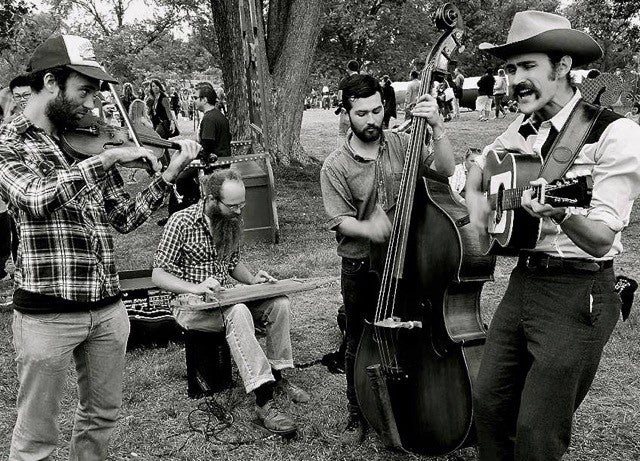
(199, 254)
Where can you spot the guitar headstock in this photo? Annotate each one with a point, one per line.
(573, 192)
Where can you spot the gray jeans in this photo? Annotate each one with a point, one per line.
(253, 363)
(45, 345)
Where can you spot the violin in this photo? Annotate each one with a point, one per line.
(92, 136)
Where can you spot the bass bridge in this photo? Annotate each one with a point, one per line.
(397, 323)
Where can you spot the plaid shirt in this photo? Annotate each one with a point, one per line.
(63, 210)
(186, 249)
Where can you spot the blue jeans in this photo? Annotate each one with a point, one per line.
(254, 364)
(540, 358)
(359, 294)
(45, 345)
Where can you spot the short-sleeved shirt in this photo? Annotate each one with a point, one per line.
(187, 251)
(485, 85)
(609, 156)
(353, 185)
(214, 133)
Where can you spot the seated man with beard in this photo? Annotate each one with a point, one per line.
(199, 254)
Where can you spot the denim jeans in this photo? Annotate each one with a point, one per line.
(44, 347)
(359, 294)
(253, 363)
(540, 358)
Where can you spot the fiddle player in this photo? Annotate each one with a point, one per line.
(560, 308)
(360, 182)
(199, 253)
(67, 300)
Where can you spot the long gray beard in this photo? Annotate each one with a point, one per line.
(226, 234)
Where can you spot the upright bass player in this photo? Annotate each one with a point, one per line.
(360, 182)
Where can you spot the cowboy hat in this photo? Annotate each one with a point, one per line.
(537, 31)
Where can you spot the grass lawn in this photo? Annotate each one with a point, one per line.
(159, 421)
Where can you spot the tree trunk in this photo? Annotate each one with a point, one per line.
(226, 19)
(284, 77)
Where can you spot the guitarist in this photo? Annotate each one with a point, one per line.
(547, 335)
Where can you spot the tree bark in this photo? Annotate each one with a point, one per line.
(285, 68)
(226, 20)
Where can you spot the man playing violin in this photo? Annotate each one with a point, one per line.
(360, 183)
(67, 300)
(199, 254)
(560, 308)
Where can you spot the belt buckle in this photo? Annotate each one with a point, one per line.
(530, 262)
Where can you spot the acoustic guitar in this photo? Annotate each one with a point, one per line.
(506, 176)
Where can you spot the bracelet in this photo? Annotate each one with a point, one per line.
(439, 138)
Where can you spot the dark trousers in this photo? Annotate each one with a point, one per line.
(497, 100)
(188, 186)
(542, 352)
(359, 294)
(8, 241)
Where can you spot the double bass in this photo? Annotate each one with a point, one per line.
(417, 359)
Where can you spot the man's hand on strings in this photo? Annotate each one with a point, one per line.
(533, 206)
(208, 286)
(427, 107)
(378, 225)
(263, 277)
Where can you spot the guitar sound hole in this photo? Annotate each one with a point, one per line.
(499, 196)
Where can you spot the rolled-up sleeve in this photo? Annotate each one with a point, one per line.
(168, 255)
(616, 175)
(336, 196)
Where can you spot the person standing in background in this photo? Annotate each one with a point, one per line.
(127, 96)
(485, 94)
(499, 92)
(458, 82)
(353, 68)
(163, 119)
(389, 95)
(411, 96)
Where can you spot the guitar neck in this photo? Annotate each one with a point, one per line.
(510, 199)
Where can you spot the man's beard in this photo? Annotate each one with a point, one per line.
(226, 232)
(370, 133)
(62, 112)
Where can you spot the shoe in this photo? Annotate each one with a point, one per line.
(295, 393)
(274, 419)
(355, 431)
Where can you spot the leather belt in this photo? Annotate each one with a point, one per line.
(539, 260)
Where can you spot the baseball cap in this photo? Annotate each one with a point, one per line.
(70, 51)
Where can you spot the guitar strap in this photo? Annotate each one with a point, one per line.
(570, 140)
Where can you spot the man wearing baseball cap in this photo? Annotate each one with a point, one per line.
(546, 337)
(67, 300)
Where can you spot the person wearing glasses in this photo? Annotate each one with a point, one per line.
(20, 94)
(199, 254)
